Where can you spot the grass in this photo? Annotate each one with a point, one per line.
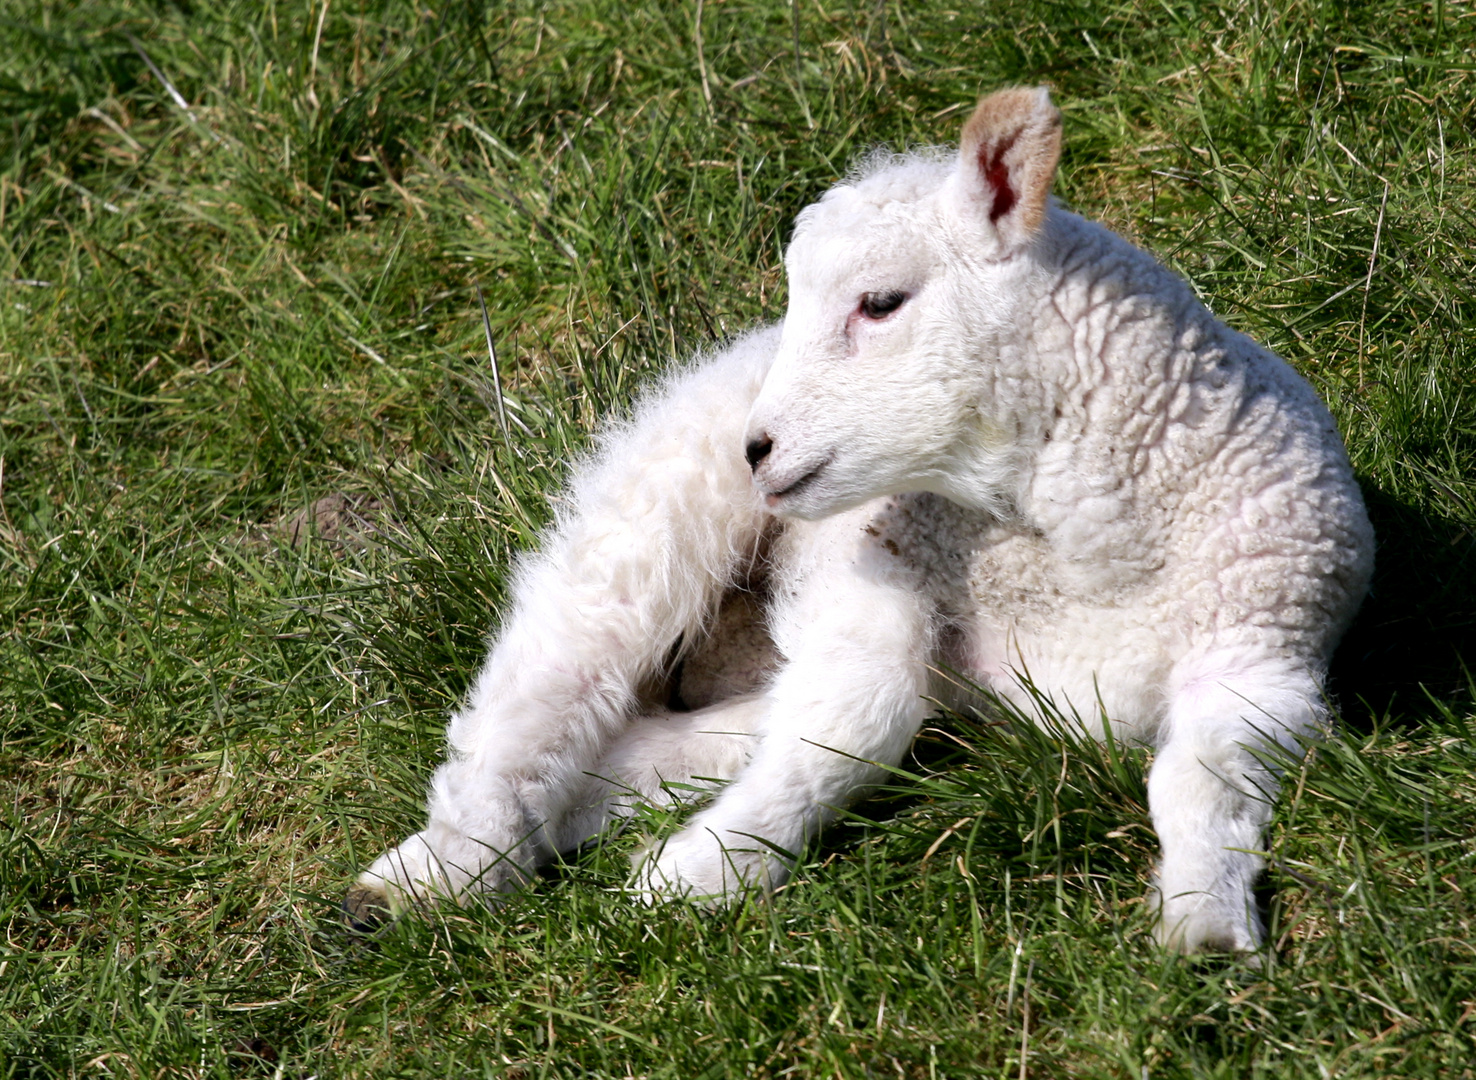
(230, 295)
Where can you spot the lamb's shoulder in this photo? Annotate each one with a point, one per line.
(1116, 341)
(1178, 448)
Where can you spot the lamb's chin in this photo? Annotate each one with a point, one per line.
(805, 497)
(819, 498)
(809, 504)
(802, 505)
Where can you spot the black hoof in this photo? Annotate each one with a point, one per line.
(365, 909)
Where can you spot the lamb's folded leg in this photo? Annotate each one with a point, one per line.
(664, 759)
(1211, 792)
(654, 528)
(851, 694)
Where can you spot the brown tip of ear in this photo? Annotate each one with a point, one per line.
(1013, 142)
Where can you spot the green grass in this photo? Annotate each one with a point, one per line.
(212, 318)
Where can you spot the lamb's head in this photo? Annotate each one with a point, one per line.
(905, 284)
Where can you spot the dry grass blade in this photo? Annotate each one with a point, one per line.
(492, 364)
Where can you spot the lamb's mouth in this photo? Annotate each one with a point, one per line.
(773, 498)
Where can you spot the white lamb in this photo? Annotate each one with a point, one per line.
(989, 435)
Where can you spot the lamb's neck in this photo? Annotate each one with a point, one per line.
(985, 475)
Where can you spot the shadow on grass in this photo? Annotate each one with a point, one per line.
(1416, 632)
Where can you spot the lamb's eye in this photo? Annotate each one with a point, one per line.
(878, 305)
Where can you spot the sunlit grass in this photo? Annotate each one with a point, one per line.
(215, 315)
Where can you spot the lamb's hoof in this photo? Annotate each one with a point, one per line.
(365, 909)
(1192, 927)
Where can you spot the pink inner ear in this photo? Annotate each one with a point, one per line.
(997, 175)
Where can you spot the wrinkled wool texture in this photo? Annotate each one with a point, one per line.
(989, 435)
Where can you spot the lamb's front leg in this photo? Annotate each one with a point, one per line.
(1211, 792)
(851, 693)
(659, 521)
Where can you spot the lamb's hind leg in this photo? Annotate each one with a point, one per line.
(660, 520)
(1211, 792)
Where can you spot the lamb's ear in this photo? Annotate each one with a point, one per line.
(1007, 159)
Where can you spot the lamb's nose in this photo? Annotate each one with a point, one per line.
(758, 449)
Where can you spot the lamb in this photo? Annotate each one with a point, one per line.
(989, 436)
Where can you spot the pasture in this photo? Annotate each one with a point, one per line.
(258, 507)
